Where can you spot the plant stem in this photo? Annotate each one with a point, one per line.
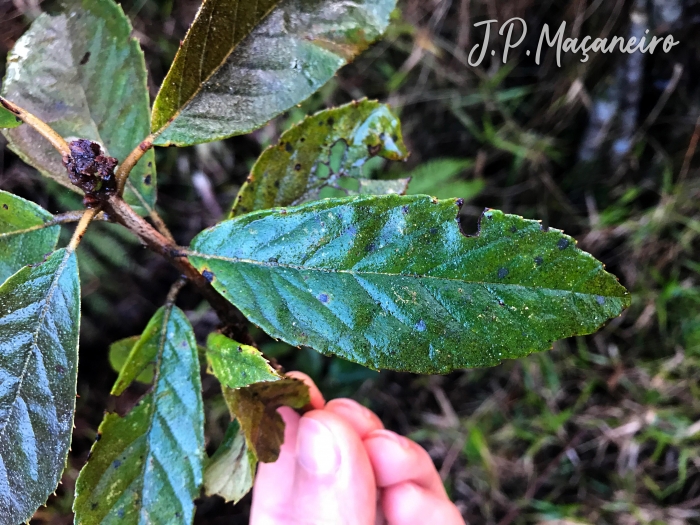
(230, 316)
(175, 290)
(82, 226)
(130, 161)
(39, 125)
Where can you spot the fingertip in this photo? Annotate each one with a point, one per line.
(409, 504)
(362, 419)
(316, 398)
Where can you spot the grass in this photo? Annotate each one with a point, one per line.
(603, 429)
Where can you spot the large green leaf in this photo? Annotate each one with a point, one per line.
(231, 470)
(239, 66)
(26, 234)
(147, 466)
(289, 172)
(39, 326)
(392, 282)
(8, 119)
(82, 73)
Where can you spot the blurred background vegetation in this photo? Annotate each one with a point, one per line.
(601, 430)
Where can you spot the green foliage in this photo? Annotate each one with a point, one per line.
(39, 326)
(236, 85)
(237, 365)
(439, 178)
(147, 465)
(119, 353)
(231, 470)
(81, 72)
(391, 282)
(8, 119)
(26, 234)
(290, 172)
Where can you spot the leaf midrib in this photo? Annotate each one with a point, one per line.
(35, 336)
(253, 262)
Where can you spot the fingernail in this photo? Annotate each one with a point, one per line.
(317, 451)
(391, 436)
(348, 405)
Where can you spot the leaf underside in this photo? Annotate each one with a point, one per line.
(391, 282)
(147, 466)
(82, 73)
(285, 58)
(39, 326)
(231, 470)
(289, 172)
(24, 236)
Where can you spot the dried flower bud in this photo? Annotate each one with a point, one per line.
(92, 171)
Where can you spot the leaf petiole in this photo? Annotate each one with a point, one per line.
(82, 227)
(39, 125)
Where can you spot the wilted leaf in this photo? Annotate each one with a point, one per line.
(439, 178)
(147, 466)
(26, 234)
(119, 355)
(255, 407)
(231, 470)
(82, 73)
(238, 68)
(39, 326)
(8, 119)
(237, 365)
(300, 164)
(391, 282)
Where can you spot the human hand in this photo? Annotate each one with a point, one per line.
(339, 466)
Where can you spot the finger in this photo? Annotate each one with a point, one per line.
(410, 504)
(396, 459)
(317, 400)
(274, 482)
(360, 418)
(334, 478)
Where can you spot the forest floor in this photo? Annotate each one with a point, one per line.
(603, 429)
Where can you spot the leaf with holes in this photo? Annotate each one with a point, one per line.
(231, 470)
(305, 159)
(239, 66)
(392, 282)
(255, 407)
(82, 73)
(8, 119)
(39, 326)
(147, 466)
(26, 233)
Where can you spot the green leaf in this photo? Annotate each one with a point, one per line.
(255, 407)
(26, 233)
(147, 466)
(8, 119)
(239, 66)
(237, 365)
(39, 326)
(440, 178)
(82, 73)
(392, 282)
(290, 172)
(119, 355)
(231, 470)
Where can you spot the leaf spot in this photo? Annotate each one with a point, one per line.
(563, 244)
(420, 326)
(85, 58)
(502, 273)
(208, 275)
(4, 207)
(600, 299)
(323, 298)
(147, 180)
(539, 260)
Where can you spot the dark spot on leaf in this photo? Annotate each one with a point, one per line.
(433, 231)
(420, 326)
(147, 180)
(276, 184)
(544, 228)
(371, 247)
(600, 299)
(563, 244)
(85, 58)
(395, 137)
(289, 147)
(502, 273)
(539, 260)
(404, 209)
(501, 303)
(273, 260)
(17, 119)
(116, 463)
(240, 349)
(330, 121)
(297, 167)
(513, 229)
(93, 505)
(98, 437)
(374, 150)
(150, 164)
(120, 513)
(60, 369)
(209, 276)
(323, 298)
(302, 139)
(459, 202)
(4, 207)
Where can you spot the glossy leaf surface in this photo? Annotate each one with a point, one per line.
(119, 355)
(39, 326)
(147, 466)
(301, 163)
(81, 72)
(392, 282)
(283, 60)
(237, 365)
(231, 470)
(8, 119)
(25, 233)
(255, 407)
